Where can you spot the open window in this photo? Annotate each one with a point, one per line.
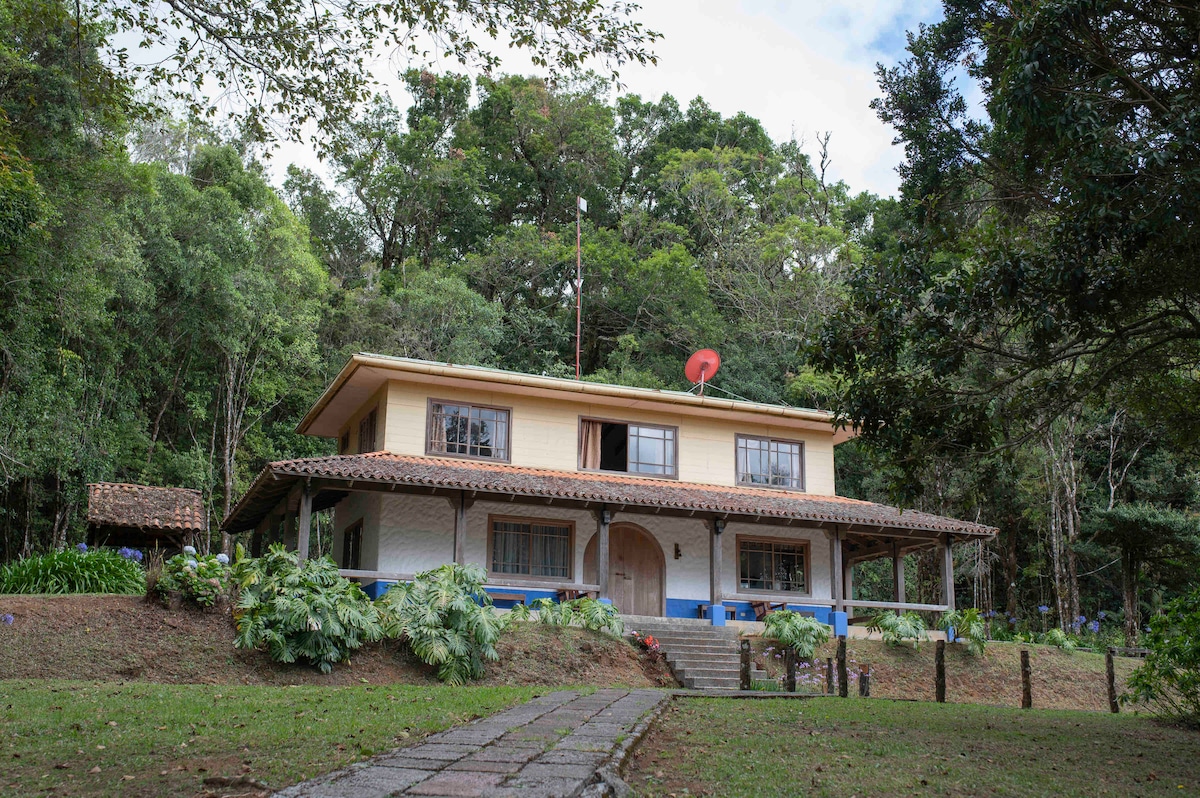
(627, 448)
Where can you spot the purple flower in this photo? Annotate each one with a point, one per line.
(1012, 620)
(82, 547)
(130, 554)
(1082, 619)
(1043, 609)
(1102, 614)
(189, 550)
(1095, 627)
(223, 558)
(7, 619)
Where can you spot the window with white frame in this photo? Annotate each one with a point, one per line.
(773, 565)
(467, 430)
(628, 448)
(770, 462)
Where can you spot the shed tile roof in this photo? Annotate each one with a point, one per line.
(492, 478)
(145, 506)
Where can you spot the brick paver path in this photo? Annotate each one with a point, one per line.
(551, 746)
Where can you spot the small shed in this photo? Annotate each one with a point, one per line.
(143, 516)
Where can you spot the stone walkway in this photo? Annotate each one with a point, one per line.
(552, 746)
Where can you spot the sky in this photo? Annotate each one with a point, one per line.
(802, 68)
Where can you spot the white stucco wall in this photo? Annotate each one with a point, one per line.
(407, 534)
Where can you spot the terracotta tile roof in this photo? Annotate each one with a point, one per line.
(145, 506)
(491, 478)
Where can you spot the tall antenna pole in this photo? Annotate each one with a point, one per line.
(580, 207)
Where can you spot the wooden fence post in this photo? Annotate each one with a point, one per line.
(744, 672)
(843, 677)
(1026, 681)
(829, 675)
(939, 677)
(789, 664)
(1111, 673)
(864, 681)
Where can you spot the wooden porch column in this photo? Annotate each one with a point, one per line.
(715, 563)
(848, 583)
(898, 572)
(603, 519)
(304, 519)
(460, 529)
(947, 572)
(835, 569)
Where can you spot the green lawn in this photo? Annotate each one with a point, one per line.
(841, 748)
(88, 739)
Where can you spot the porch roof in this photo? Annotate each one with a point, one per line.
(145, 507)
(332, 476)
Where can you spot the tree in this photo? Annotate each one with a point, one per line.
(296, 62)
(1049, 250)
(1146, 536)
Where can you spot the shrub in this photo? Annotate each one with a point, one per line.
(76, 570)
(968, 624)
(586, 612)
(895, 629)
(791, 629)
(1168, 681)
(301, 611)
(197, 577)
(446, 618)
(1057, 637)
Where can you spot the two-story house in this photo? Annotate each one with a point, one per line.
(663, 502)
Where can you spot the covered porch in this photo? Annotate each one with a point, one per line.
(623, 530)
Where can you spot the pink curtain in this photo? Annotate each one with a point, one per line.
(589, 445)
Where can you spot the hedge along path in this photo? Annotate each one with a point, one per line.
(555, 745)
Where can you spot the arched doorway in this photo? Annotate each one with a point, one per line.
(636, 570)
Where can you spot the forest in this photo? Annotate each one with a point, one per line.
(1016, 335)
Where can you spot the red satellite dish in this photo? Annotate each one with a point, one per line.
(702, 366)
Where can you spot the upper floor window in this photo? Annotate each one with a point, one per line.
(627, 448)
(770, 462)
(366, 433)
(468, 431)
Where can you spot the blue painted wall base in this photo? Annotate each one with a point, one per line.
(716, 613)
(840, 623)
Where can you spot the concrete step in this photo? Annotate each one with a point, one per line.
(711, 683)
(692, 639)
(708, 662)
(699, 672)
(701, 647)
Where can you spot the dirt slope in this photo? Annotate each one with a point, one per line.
(117, 638)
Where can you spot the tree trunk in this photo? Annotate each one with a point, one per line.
(1133, 612)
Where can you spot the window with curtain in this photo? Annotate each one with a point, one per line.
(627, 448)
(770, 462)
(774, 565)
(531, 547)
(468, 431)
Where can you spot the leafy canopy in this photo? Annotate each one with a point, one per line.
(302, 62)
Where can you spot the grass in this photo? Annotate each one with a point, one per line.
(97, 739)
(832, 747)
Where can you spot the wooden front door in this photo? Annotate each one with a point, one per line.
(636, 570)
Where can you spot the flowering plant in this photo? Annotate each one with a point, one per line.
(197, 577)
(648, 642)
